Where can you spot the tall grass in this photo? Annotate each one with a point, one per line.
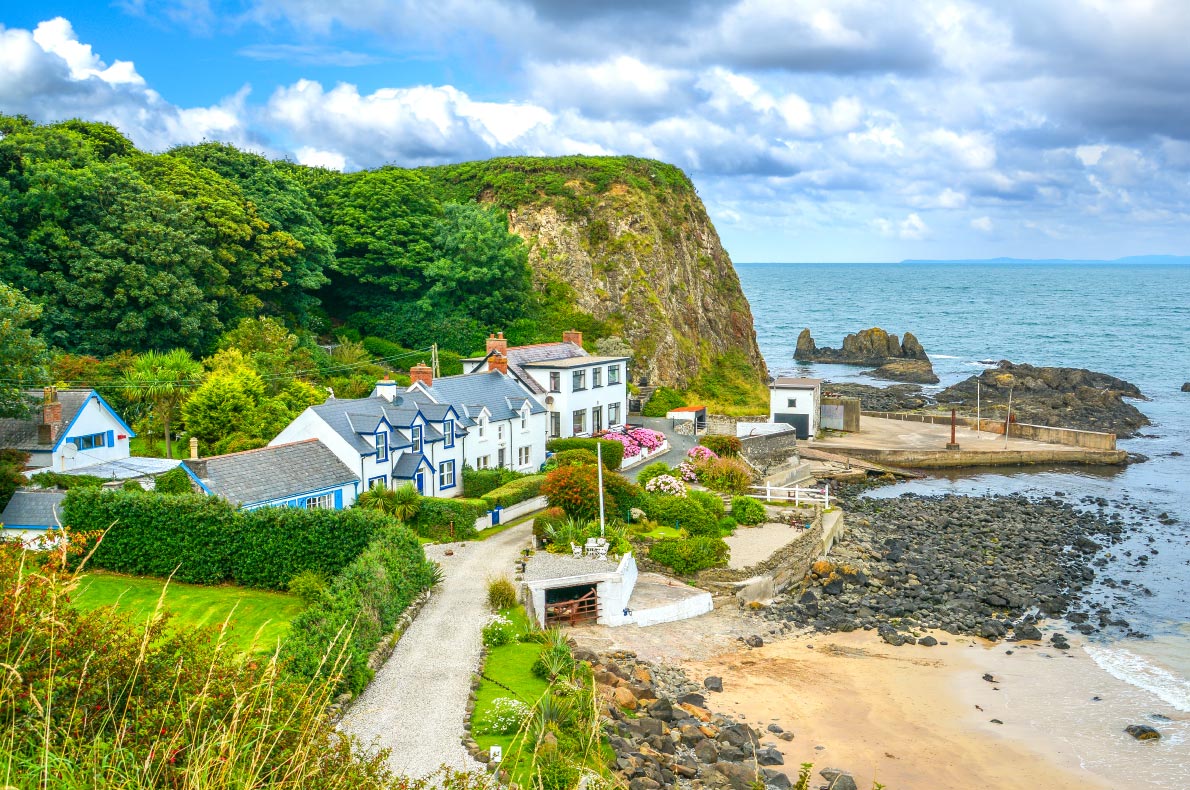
(98, 700)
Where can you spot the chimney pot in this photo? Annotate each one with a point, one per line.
(423, 373)
(497, 343)
(194, 447)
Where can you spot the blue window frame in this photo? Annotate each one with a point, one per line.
(381, 481)
(448, 431)
(446, 475)
(382, 446)
(415, 437)
(92, 441)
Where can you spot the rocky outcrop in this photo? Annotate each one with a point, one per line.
(898, 397)
(1062, 397)
(895, 360)
(642, 256)
(1186, 387)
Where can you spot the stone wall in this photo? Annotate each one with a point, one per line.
(772, 455)
(1071, 437)
(724, 425)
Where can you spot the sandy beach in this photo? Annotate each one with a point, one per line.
(916, 717)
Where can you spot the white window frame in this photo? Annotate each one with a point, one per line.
(381, 441)
(596, 419)
(613, 414)
(555, 427)
(416, 438)
(578, 380)
(483, 462)
(320, 502)
(524, 455)
(613, 374)
(555, 381)
(578, 421)
(443, 469)
(596, 377)
(448, 432)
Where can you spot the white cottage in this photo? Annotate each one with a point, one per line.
(796, 402)
(68, 429)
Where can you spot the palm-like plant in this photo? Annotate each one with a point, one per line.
(163, 380)
(406, 503)
(378, 497)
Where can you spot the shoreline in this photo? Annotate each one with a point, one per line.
(914, 716)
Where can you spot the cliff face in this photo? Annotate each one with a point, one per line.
(631, 244)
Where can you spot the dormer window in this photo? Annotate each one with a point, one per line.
(448, 431)
(381, 446)
(483, 427)
(524, 419)
(415, 437)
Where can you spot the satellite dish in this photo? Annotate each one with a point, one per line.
(70, 450)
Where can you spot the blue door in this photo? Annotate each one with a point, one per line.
(420, 477)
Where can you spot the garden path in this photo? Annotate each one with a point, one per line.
(415, 706)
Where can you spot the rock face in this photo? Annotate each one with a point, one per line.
(895, 360)
(1061, 397)
(642, 256)
(898, 397)
(1186, 387)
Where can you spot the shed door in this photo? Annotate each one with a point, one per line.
(800, 423)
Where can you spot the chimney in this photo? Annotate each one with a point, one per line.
(423, 373)
(497, 342)
(498, 361)
(51, 417)
(194, 448)
(386, 388)
(573, 336)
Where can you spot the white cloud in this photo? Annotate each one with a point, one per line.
(313, 157)
(913, 228)
(982, 224)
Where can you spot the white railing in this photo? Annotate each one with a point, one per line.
(798, 495)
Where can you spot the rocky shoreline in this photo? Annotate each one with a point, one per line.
(893, 359)
(994, 567)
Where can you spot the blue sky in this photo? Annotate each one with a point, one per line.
(815, 131)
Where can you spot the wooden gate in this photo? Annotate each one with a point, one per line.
(584, 609)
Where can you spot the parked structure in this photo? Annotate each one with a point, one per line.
(582, 394)
(67, 430)
(302, 474)
(796, 402)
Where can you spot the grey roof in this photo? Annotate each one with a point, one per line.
(350, 418)
(519, 356)
(573, 362)
(795, 383)
(501, 395)
(127, 468)
(408, 464)
(21, 434)
(33, 509)
(269, 473)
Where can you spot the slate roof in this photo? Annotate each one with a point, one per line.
(21, 434)
(502, 395)
(572, 362)
(407, 465)
(269, 473)
(349, 418)
(796, 383)
(33, 509)
(127, 468)
(519, 356)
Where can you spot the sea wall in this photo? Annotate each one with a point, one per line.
(1091, 440)
(945, 459)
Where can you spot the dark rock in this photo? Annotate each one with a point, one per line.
(993, 630)
(662, 709)
(776, 780)
(707, 751)
(891, 635)
(1186, 387)
(833, 587)
(1142, 732)
(927, 641)
(776, 729)
(696, 700)
(737, 735)
(838, 780)
(1026, 632)
(769, 756)
(989, 678)
(786, 736)
(713, 683)
(644, 783)
(754, 641)
(583, 654)
(736, 776)
(996, 721)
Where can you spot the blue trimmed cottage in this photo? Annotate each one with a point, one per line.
(68, 429)
(31, 514)
(302, 474)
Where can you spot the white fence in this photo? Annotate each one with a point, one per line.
(798, 495)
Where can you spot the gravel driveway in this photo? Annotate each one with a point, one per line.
(415, 705)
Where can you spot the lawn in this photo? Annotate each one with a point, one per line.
(661, 532)
(258, 618)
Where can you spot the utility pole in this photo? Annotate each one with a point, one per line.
(1008, 419)
(434, 361)
(599, 475)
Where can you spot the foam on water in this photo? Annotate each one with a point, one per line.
(1138, 671)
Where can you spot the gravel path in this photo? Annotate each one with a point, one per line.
(415, 705)
(679, 445)
(750, 545)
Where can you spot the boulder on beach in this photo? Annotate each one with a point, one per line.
(893, 358)
(1142, 732)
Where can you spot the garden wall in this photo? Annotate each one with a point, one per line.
(724, 425)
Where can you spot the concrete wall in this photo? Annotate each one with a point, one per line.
(723, 425)
(1091, 440)
(513, 512)
(943, 459)
(841, 414)
(692, 606)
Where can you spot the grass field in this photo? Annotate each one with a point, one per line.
(258, 618)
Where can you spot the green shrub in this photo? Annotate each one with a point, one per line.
(724, 446)
(729, 475)
(435, 518)
(65, 481)
(501, 594)
(575, 489)
(682, 513)
(175, 481)
(613, 452)
(359, 608)
(515, 492)
(686, 557)
(308, 585)
(554, 661)
(709, 502)
(574, 458)
(477, 482)
(550, 517)
(132, 485)
(748, 511)
(500, 631)
(727, 525)
(655, 469)
(662, 401)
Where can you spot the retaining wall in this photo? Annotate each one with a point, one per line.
(943, 459)
(723, 425)
(1071, 437)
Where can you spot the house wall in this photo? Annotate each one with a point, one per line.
(532, 436)
(569, 400)
(309, 425)
(808, 403)
(437, 452)
(93, 418)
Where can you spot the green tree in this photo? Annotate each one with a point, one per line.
(224, 404)
(164, 381)
(22, 355)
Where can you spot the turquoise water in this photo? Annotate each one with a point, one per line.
(1132, 321)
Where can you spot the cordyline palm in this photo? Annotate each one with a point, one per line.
(163, 380)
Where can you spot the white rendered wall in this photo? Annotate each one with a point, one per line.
(92, 419)
(807, 403)
(567, 401)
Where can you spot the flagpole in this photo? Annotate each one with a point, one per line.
(599, 473)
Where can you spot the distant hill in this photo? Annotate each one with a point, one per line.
(1131, 259)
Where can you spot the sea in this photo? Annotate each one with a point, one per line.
(1128, 320)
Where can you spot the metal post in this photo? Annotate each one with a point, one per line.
(1008, 419)
(978, 421)
(599, 475)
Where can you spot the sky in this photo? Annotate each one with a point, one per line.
(855, 130)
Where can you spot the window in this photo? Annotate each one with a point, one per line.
(596, 377)
(613, 374)
(555, 381)
(613, 414)
(525, 420)
(522, 456)
(415, 437)
(90, 442)
(448, 431)
(579, 424)
(381, 481)
(321, 502)
(483, 462)
(500, 432)
(791, 403)
(596, 419)
(555, 424)
(446, 474)
(382, 447)
(579, 380)
(483, 426)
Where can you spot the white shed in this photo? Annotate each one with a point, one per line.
(796, 402)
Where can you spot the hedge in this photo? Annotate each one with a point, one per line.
(748, 511)
(613, 452)
(205, 540)
(691, 555)
(574, 458)
(358, 609)
(512, 493)
(477, 482)
(662, 401)
(435, 517)
(709, 502)
(683, 513)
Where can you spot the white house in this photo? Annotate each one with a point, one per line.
(303, 474)
(582, 394)
(796, 402)
(69, 429)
